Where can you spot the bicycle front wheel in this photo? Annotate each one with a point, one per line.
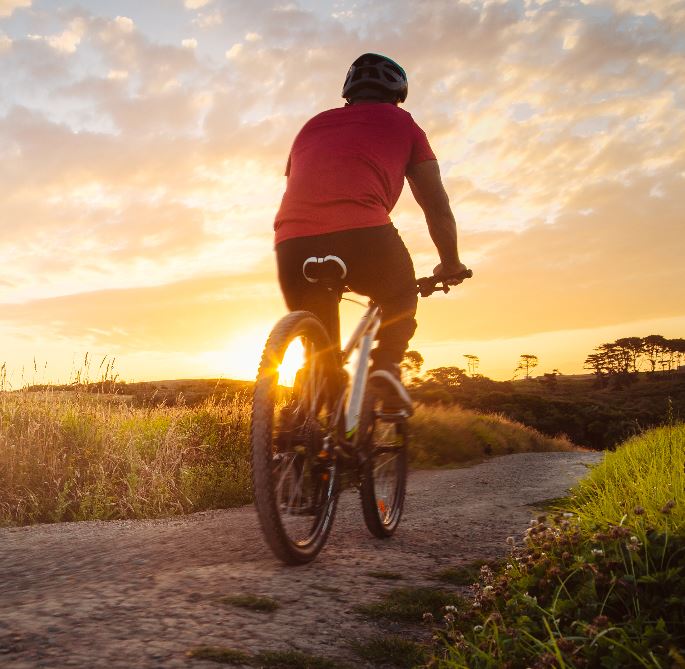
(293, 468)
(384, 473)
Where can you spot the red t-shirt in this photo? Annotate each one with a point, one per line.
(346, 169)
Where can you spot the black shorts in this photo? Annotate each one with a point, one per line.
(378, 265)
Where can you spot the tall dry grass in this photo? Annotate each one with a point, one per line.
(442, 436)
(81, 456)
(75, 456)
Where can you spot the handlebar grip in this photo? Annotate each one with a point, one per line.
(428, 285)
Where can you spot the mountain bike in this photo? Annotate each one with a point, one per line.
(326, 428)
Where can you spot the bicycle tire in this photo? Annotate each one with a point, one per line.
(295, 491)
(384, 472)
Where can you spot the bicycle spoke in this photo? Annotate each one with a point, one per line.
(295, 486)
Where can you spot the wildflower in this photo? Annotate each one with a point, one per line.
(666, 508)
(477, 628)
(600, 621)
(428, 618)
(566, 645)
(597, 551)
(449, 617)
(451, 607)
(634, 544)
(488, 589)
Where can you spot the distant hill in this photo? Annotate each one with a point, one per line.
(591, 413)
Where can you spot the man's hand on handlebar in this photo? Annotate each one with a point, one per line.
(452, 274)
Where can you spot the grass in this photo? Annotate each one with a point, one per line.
(220, 654)
(442, 436)
(599, 584)
(80, 455)
(637, 482)
(293, 659)
(385, 575)
(272, 659)
(410, 604)
(251, 602)
(465, 574)
(392, 650)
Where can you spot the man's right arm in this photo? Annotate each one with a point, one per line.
(426, 185)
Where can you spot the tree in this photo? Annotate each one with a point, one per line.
(527, 362)
(654, 348)
(630, 349)
(411, 364)
(472, 362)
(677, 348)
(447, 377)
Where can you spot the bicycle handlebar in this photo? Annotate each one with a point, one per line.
(429, 284)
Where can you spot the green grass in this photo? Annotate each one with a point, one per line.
(293, 659)
(271, 659)
(220, 654)
(251, 602)
(392, 650)
(409, 604)
(385, 575)
(637, 483)
(465, 574)
(442, 436)
(600, 585)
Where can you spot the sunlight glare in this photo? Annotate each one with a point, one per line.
(292, 362)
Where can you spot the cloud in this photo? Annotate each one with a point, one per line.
(196, 4)
(7, 7)
(68, 40)
(208, 20)
(188, 316)
(147, 160)
(613, 262)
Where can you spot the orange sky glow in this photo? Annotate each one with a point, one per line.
(142, 147)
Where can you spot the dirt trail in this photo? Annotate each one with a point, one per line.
(141, 593)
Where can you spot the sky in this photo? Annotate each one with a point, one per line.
(143, 144)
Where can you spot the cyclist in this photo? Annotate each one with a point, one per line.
(345, 172)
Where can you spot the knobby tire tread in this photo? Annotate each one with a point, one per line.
(261, 442)
(372, 518)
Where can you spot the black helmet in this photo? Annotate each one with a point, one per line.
(375, 75)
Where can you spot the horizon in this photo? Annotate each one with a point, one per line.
(143, 149)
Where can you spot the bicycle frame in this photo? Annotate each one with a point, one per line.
(362, 338)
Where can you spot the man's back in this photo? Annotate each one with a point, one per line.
(346, 169)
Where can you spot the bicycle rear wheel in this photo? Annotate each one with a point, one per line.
(293, 471)
(384, 473)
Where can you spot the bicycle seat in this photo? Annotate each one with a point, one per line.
(330, 270)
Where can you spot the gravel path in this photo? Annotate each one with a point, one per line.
(124, 594)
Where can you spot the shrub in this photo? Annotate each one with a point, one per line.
(595, 585)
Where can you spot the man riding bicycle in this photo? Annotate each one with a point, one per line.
(345, 172)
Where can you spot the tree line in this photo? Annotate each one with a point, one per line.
(598, 412)
(629, 355)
